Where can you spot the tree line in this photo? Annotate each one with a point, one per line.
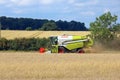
(23, 44)
(9, 23)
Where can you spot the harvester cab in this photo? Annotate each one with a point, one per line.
(69, 44)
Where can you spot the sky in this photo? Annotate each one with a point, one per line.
(84, 11)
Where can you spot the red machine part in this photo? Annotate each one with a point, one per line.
(42, 50)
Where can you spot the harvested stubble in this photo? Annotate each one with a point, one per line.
(35, 66)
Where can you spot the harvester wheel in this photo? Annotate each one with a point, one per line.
(61, 50)
(80, 51)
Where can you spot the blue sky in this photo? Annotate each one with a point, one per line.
(79, 10)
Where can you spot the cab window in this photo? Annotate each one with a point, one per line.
(54, 40)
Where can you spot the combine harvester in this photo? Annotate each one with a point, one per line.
(68, 44)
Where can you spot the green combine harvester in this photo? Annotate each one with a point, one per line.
(69, 44)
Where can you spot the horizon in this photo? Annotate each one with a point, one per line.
(71, 10)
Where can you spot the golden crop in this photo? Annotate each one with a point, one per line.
(35, 66)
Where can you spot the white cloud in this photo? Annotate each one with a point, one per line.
(71, 1)
(49, 2)
(27, 2)
(46, 2)
(17, 11)
(16, 3)
(22, 2)
(66, 10)
(2, 1)
(88, 13)
(106, 10)
(86, 3)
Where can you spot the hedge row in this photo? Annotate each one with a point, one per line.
(23, 44)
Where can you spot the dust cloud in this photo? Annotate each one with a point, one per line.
(100, 47)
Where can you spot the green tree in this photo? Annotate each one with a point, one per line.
(28, 29)
(3, 44)
(104, 27)
(49, 26)
(116, 29)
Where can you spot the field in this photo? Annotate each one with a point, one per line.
(11, 34)
(100, 65)
(35, 66)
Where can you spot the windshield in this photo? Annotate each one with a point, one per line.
(54, 40)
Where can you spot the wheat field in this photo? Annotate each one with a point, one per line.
(11, 34)
(35, 66)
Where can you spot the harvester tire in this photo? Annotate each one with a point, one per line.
(80, 51)
(61, 50)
